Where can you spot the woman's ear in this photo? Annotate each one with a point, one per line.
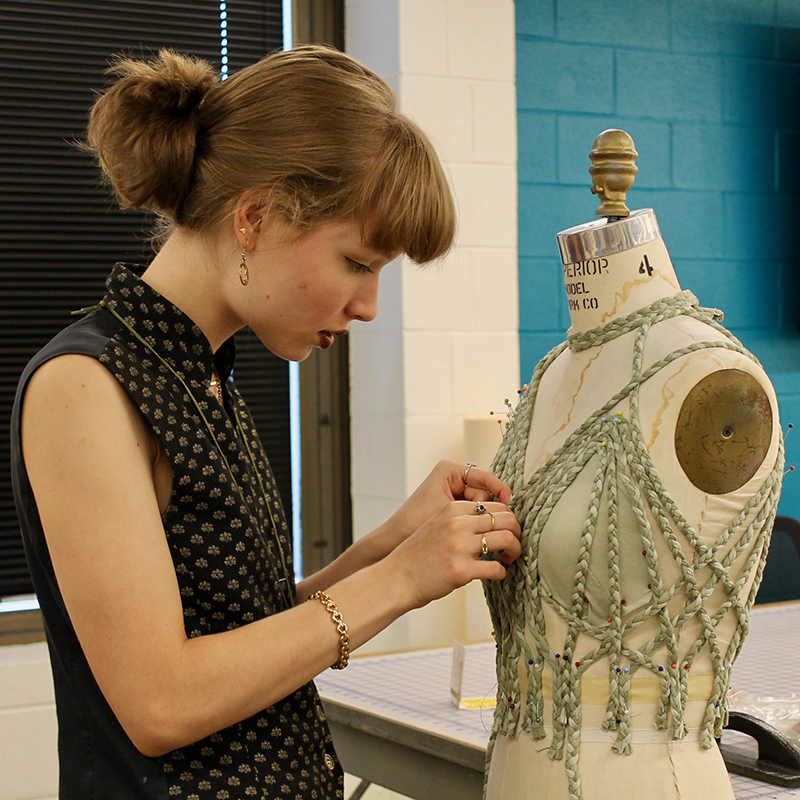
(247, 218)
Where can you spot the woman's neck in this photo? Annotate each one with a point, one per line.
(190, 275)
(603, 288)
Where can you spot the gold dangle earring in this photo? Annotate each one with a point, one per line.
(244, 273)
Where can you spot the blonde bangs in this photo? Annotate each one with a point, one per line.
(405, 199)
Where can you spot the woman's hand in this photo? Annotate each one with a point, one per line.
(445, 552)
(444, 485)
(445, 488)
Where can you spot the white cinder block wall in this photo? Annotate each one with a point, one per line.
(28, 729)
(445, 344)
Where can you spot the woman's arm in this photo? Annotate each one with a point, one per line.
(444, 485)
(90, 459)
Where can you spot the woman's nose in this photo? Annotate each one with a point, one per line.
(364, 306)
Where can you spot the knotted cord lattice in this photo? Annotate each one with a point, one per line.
(612, 446)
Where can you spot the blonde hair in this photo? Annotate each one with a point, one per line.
(310, 131)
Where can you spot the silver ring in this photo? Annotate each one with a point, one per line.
(484, 546)
(480, 508)
(470, 465)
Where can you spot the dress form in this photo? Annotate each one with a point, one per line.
(635, 719)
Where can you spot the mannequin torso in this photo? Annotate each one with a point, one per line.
(636, 616)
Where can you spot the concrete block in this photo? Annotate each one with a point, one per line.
(429, 439)
(484, 371)
(787, 44)
(26, 678)
(546, 210)
(533, 347)
(537, 144)
(785, 387)
(486, 199)
(439, 297)
(789, 404)
(789, 288)
(422, 33)
(390, 639)
(370, 512)
(437, 625)
(667, 86)
(443, 107)
(423, 627)
(788, 161)
(576, 135)
(371, 35)
(690, 222)
(748, 293)
(629, 21)
(376, 376)
(787, 14)
(536, 18)
(557, 76)
(427, 367)
(723, 157)
(759, 227)
(494, 122)
(779, 354)
(28, 752)
(474, 290)
(378, 444)
(494, 289)
(706, 26)
(541, 294)
(763, 91)
(483, 435)
(480, 39)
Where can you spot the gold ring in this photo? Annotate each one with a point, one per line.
(484, 546)
(492, 516)
(470, 465)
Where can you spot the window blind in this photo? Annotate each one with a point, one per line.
(60, 233)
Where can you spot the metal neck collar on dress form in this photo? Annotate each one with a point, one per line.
(607, 236)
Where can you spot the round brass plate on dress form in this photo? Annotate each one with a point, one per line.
(724, 431)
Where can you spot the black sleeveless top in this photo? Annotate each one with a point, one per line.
(230, 547)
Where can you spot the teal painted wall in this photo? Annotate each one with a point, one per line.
(710, 92)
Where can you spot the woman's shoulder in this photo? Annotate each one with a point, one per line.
(77, 391)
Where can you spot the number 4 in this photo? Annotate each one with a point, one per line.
(645, 267)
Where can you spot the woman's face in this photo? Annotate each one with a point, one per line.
(307, 286)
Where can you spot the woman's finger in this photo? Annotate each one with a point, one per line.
(471, 493)
(499, 541)
(493, 515)
(478, 480)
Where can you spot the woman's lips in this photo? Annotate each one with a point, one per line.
(326, 338)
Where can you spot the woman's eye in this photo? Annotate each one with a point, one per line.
(359, 266)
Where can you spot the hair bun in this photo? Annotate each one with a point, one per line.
(171, 84)
(144, 128)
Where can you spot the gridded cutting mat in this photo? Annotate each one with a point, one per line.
(769, 664)
(413, 688)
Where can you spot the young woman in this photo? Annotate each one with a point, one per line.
(183, 653)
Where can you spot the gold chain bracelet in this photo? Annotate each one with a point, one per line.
(341, 626)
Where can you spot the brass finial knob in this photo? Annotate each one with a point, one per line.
(613, 171)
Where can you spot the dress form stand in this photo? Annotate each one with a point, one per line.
(646, 460)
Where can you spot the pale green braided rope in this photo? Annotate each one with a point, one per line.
(613, 447)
